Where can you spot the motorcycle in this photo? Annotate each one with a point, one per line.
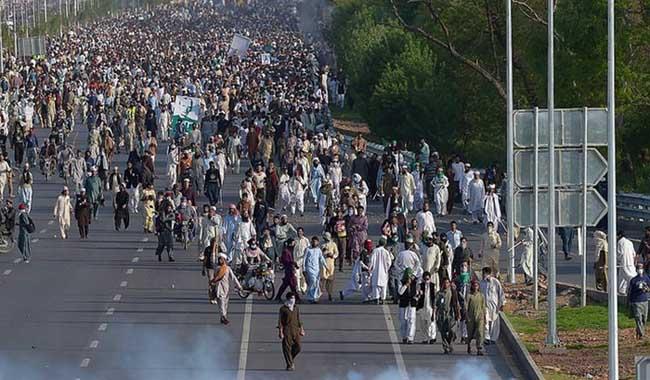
(260, 281)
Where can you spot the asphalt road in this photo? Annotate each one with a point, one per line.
(105, 308)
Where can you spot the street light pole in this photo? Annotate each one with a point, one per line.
(511, 169)
(551, 338)
(612, 296)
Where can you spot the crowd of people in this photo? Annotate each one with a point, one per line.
(266, 114)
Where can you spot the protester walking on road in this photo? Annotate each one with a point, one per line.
(62, 212)
(25, 228)
(314, 262)
(425, 307)
(408, 300)
(494, 300)
(290, 268)
(165, 229)
(290, 330)
(82, 212)
(447, 311)
(121, 208)
(475, 316)
(223, 277)
(380, 263)
(25, 187)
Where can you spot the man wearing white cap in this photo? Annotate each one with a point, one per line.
(62, 211)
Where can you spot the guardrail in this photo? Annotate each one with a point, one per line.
(633, 207)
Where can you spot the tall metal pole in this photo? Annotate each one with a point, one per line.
(34, 13)
(45, 10)
(510, 132)
(611, 197)
(536, 214)
(552, 338)
(2, 52)
(60, 19)
(583, 235)
(13, 15)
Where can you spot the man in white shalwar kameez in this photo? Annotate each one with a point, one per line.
(467, 177)
(494, 300)
(431, 257)
(625, 255)
(492, 208)
(314, 262)
(406, 189)
(408, 258)
(302, 243)
(440, 184)
(380, 262)
(476, 191)
(62, 211)
(527, 242)
(426, 222)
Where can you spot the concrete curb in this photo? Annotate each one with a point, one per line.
(520, 354)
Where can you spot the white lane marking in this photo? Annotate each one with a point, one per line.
(34, 240)
(7, 272)
(401, 367)
(102, 327)
(140, 249)
(246, 330)
(129, 271)
(123, 284)
(117, 297)
(145, 239)
(16, 261)
(94, 344)
(42, 231)
(51, 222)
(84, 363)
(135, 260)
(110, 311)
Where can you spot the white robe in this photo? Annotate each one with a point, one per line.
(625, 255)
(464, 187)
(431, 263)
(492, 209)
(494, 299)
(408, 259)
(476, 190)
(407, 190)
(426, 222)
(380, 262)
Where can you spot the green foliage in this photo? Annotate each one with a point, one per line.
(523, 325)
(407, 87)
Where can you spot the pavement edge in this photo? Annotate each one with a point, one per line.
(520, 354)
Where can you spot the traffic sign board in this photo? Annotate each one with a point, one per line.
(569, 127)
(568, 167)
(569, 208)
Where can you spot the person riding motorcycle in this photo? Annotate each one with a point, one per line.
(185, 215)
(254, 257)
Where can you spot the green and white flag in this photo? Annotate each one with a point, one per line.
(186, 111)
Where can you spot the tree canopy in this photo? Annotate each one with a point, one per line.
(435, 69)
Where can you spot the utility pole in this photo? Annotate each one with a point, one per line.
(60, 20)
(612, 296)
(551, 338)
(45, 10)
(2, 50)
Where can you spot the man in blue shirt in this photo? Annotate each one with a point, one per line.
(637, 296)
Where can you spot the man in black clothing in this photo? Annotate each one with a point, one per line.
(213, 184)
(121, 208)
(165, 229)
(360, 166)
